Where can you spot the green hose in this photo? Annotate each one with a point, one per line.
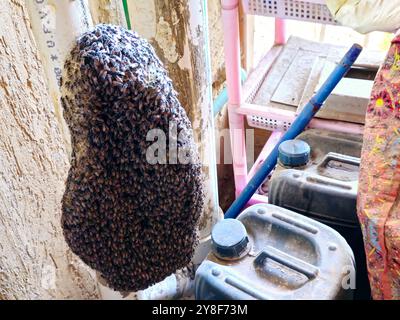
(127, 17)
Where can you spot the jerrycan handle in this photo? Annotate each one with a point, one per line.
(340, 158)
(291, 262)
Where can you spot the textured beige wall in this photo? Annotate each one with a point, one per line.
(34, 260)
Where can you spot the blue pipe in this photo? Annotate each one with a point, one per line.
(222, 98)
(298, 125)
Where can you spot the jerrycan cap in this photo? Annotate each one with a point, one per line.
(294, 153)
(229, 239)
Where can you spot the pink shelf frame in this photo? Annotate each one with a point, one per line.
(238, 109)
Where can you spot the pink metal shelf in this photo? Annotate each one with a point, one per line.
(303, 10)
(283, 119)
(239, 103)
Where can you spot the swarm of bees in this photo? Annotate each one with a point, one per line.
(132, 221)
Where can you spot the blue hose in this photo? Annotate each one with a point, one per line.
(301, 122)
(222, 98)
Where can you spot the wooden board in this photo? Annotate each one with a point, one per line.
(290, 88)
(348, 101)
(296, 72)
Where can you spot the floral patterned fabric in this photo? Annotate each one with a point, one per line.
(379, 188)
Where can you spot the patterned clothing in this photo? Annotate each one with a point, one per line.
(379, 189)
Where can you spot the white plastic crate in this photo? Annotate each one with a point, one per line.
(268, 123)
(304, 10)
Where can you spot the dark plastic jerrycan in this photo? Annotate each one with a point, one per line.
(317, 176)
(272, 253)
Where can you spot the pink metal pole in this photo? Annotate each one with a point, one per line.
(256, 199)
(280, 31)
(268, 147)
(230, 18)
